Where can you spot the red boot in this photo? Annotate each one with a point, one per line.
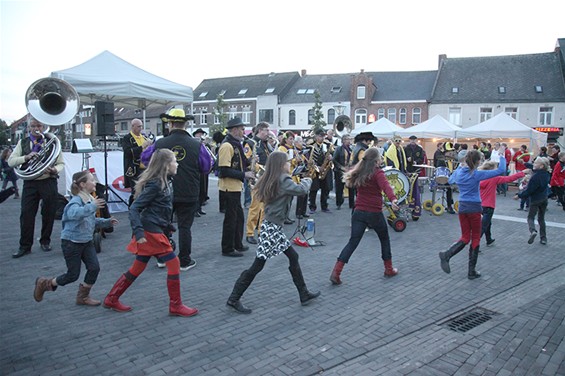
(112, 299)
(176, 308)
(389, 270)
(334, 278)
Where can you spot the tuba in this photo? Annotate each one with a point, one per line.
(52, 102)
(342, 125)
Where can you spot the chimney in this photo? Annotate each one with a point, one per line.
(362, 70)
(441, 58)
(303, 73)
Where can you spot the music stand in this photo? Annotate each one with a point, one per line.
(108, 188)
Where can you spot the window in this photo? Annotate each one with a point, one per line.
(203, 94)
(361, 92)
(485, 113)
(545, 115)
(202, 116)
(291, 117)
(455, 115)
(501, 90)
(416, 115)
(310, 91)
(222, 92)
(402, 115)
(216, 118)
(539, 89)
(310, 117)
(392, 115)
(455, 90)
(512, 112)
(331, 116)
(246, 114)
(301, 91)
(242, 92)
(266, 115)
(335, 90)
(380, 113)
(123, 125)
(269, 90)
(360, 117)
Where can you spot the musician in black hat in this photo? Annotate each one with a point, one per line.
(232, 172)
(200, 135)
(133, 144)
(341, 159)
(415, 154)
(43, 188)
(320, 161)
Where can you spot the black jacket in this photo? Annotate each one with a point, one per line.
(186, 183)
(152, 210)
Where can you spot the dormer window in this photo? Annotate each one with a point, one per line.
(301, 91)
(455, 90)
(203, 94)
(269, 90)
(310, 91)
(539, 89)
(222, 92)
(242, 92)
(501, 90)
(335, 90)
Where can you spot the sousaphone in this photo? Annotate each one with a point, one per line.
(53, 102)
(342, 125)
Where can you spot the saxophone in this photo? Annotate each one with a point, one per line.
(311, 166)
(328, 164)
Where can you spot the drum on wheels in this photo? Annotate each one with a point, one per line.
(399, 183)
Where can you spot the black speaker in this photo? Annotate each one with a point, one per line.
(104, 118)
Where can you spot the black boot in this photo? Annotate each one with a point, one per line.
(452, 251)
(239, 288)
(305, 295)
(473, 256)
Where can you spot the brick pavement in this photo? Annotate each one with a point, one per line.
(369, 325)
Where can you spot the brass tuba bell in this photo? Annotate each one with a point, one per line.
(342, 125)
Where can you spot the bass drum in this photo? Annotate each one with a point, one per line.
(399, 183)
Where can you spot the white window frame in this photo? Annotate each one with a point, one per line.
(545, 115)
(380, 113)
(360, 117)
(203, 114)
(416, 115)
(455, 115)
(512, 112)
(402, 116)
(361, 92)
(391, 114)
(485, 113)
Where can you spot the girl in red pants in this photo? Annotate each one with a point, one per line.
(150, 217)
(468, 179)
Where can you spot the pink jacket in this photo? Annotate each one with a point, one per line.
(488, 188)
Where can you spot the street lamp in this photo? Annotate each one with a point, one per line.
(339, 109)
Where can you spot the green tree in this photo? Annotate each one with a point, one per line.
(318, 117)
(4, 133)
(219, 111)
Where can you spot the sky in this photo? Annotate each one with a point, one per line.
(189, 41)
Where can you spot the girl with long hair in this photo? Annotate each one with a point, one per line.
(275, 189)
(468, 178)
(370, 183)
(78, 224)
(150, 217)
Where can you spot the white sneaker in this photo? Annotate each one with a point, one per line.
(161, 265)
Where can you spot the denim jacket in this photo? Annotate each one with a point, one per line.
(79, 221)
(152, 210)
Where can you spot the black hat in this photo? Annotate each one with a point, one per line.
(199, 130)
(235, 122)
(412, 137)
(320, 132)
(364, 136)
(176, 115)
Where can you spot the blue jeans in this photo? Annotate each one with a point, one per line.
(360, 220)
(486, 222)
(75, 253)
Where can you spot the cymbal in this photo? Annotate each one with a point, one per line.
(422, 166)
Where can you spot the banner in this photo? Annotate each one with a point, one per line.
(118, 195)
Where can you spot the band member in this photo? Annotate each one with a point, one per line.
(320, 163)
(218, 137)
(133, 144)
(233, 171)
(261, 151)
(468, 179)
(415, 155)
(362, 142)
(341, 160)
(287, 146)
(150, 217)
(274, 189)
(441, 159)
(370, 182)
(302, 152)
(200, 135)
(43, 188)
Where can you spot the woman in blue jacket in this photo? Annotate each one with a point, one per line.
(468, 179)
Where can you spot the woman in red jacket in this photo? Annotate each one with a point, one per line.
(557, 181)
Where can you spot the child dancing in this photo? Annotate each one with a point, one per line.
(150, 217)
(78, 224)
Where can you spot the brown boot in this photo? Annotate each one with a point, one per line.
(336, 273)
(42, 284)
(83, 298)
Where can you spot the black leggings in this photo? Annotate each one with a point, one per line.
(259, 263)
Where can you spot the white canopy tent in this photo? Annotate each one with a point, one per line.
(504, 126)
(380, 128)
(106, 77)
(436, 127)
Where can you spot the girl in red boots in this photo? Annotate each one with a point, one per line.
(79, 222)
(150, 217)
(369, 182)
(275, 189)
